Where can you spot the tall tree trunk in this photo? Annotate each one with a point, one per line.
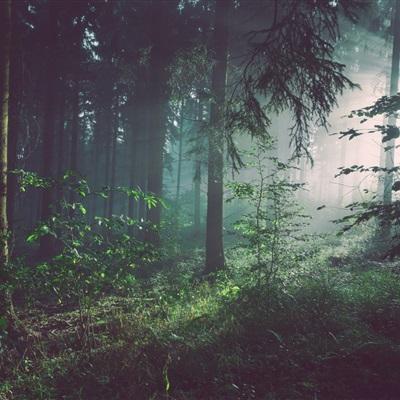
(107, 151)
(6, 308)
(74, 129)
(113, 167)
(60, 143)
(141, 164)
(5, 45)
(138, 145)
(75, 134)
(108, 133)
(95, 158)
(133, 176)
(197, 174)
(382, 154)
(46, 242)
(394, 82)
(180, 148)
(14, 114)
(214, 234)
(157, 118)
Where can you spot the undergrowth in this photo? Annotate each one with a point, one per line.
(318, 331)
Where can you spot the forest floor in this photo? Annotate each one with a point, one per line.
(325, 331)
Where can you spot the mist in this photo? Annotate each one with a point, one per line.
(199, 199)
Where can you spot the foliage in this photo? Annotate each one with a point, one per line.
(376, 207)
(274, 222)
(304, 78)
(90, 256)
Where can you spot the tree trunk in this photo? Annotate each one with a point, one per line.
(394, 79)
(74, 138)
(6, 308)
(46, 242)
(157, 118)
(180, 148)
(394, 82)
(113, 165)
(60, 143)
(5, 45)
(382, 153)
(107, 150)
(95, 157)
(214, 234)
(108, 133)
(14, 114)
(197, 174)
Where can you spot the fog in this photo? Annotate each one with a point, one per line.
(326, 195)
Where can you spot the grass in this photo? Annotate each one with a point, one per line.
(318, 332)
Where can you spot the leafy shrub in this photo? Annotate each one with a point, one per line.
(89, 257)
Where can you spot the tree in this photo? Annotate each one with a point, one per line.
(180, 150)
(394, 83)
(197, 172)
(157, 117)
(214, 231)
(14, 125)
(290, 65)
(5, 45)
(46, 243)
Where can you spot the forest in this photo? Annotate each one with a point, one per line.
(199, 200)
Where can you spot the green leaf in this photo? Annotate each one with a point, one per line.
(32, 237)
(3, 323)
(82, 209)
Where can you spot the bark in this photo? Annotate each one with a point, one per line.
(180, 151)
(138, 149)
(46, 243)
(13, 123)
(107, 149)
(60, 143)
(75, 135)
(382, 154)
(75, 130)
(214, 233)
(5, 45)
(107, 140)
(95, 157)
(157, 118)
(197, 176)
(113, 165)
(394, 79)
